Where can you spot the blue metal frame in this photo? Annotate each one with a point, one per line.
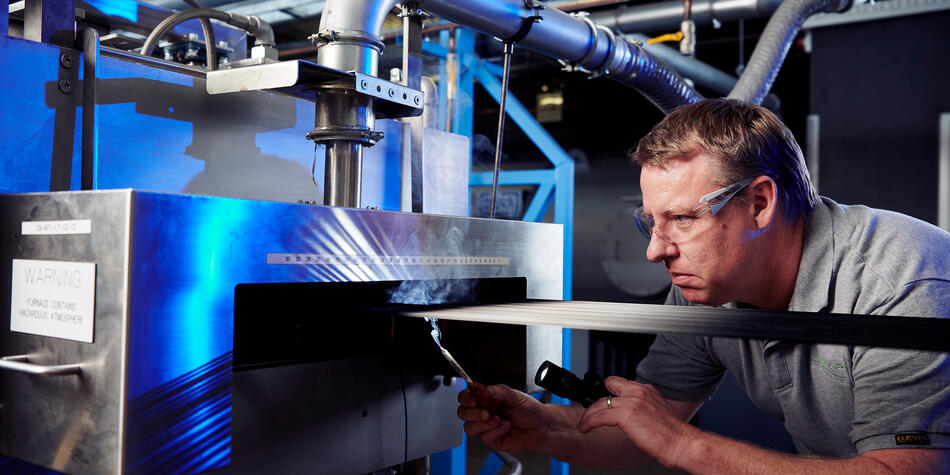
(555, 185)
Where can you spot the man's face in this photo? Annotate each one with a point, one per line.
(707, 255)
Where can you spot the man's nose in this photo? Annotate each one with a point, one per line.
(659, 248)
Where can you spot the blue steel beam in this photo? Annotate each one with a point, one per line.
(540, 203)
(464, 92)
(518, 113)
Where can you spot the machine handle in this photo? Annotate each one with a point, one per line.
(18, 363)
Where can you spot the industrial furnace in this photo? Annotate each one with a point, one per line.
(201, 335)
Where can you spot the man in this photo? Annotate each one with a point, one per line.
(730, 211)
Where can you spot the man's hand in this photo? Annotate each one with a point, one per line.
(512, 422)
(647, 419)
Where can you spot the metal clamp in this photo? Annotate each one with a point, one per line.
(362, 135)
(19, 364)
(635, 63)
(575, 66)
(527, 22)
(602, 69)
(347, 37)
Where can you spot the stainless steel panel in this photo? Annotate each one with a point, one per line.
(445, 158)
(156, 389)
(71, 423)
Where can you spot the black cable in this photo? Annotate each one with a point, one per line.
(313, 168)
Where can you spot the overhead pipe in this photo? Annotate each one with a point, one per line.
(662, 16)
(576, 40)
(703, 74)
(773, 45)
(349, 40)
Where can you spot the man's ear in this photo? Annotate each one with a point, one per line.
(764, 194)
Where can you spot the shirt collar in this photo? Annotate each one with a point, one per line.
(815, 269)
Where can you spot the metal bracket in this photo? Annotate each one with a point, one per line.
(527, 22)
(301, 79)
(389, 91)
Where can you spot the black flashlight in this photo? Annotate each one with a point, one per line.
(564, 383)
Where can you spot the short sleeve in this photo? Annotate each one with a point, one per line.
(680, 366)
(902, 397)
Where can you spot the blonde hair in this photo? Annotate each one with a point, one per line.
(746, 139)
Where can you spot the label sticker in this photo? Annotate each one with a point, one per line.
(53, 298)
(912, 438)
(75, 226)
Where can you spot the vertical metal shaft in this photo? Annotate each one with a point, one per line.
(90, 133)
(412, 77)
(342, 174)
(501, 126)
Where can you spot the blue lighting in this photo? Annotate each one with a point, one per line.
(183, 426)
(121, 8)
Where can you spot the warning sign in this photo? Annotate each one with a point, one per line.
(53, 298)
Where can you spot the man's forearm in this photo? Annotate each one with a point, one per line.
(714, 454)
(604, 447)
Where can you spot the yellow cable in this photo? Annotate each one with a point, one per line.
(667, 37)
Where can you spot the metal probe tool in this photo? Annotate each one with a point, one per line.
(484, 398)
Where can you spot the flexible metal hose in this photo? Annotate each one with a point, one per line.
(211, 49)
(656, 80)
(261, 30)
(773, 46)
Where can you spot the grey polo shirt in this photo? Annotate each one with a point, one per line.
(837, 400)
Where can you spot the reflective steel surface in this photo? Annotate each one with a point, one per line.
(156, 393)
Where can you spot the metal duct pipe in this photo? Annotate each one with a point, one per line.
(772, 47)
(576, 40)
(667, 15)
(703, 74)
(349, 39)
(355, 25)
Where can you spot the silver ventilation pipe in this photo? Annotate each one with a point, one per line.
(773, 45)
(349, 39)
(576, 40)
(661, 16)
(701, 73)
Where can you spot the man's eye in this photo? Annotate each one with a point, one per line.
(683, 219)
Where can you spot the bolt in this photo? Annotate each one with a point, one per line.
(392, 92)
(364, 84)
(65, 86)
(66, 60)
(416, 100)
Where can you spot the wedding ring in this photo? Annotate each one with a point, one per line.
(609, 404)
